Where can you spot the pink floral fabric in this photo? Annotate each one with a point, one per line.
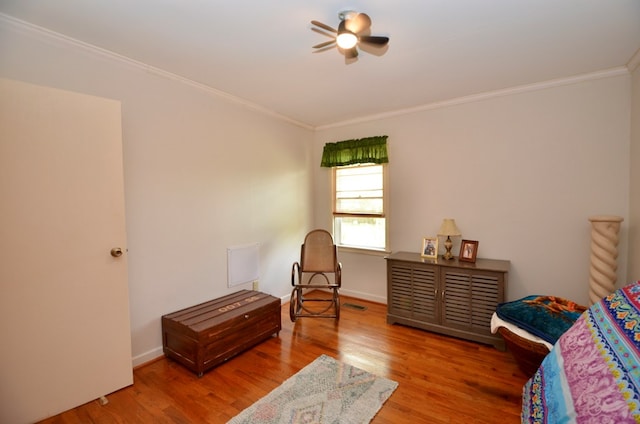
(592, 375)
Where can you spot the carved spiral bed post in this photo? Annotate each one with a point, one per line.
(604, 255)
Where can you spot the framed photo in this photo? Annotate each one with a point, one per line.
(429, 247)
(468, 250)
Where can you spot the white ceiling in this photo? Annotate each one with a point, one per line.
(260, 51)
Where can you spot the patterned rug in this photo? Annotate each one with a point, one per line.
(325, 391)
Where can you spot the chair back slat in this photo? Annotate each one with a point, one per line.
(318, 253)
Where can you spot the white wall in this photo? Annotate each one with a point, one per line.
(201, 173)
(633, 272)
(521, 173)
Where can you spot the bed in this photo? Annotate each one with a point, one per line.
(592, 374)
(527, 349)
(530, 326)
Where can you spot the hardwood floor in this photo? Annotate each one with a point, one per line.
(441, 379)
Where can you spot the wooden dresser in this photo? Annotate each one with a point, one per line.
(448, 297)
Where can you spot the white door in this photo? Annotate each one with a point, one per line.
(64, 306)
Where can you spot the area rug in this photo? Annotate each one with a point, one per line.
(325, 391)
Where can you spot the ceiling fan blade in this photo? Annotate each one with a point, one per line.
(323, 32)
(361, 22)
(351, 53)
(325, 44)
(372, 39)
(323, 26)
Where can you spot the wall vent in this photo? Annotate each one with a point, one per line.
(243, 264)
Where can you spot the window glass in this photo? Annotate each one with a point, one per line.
(359, 207)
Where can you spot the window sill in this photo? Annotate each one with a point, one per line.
(363, 251)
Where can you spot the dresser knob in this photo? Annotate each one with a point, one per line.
(246, 316)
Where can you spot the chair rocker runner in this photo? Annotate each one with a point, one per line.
(318, 269)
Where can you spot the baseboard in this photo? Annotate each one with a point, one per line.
(364, 296)
(351, 293)
(147, 357)
(285, 299)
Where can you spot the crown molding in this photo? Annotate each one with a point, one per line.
(607, 73)
(30, 28)
(20, 25)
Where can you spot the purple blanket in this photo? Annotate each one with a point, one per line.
(592, 374)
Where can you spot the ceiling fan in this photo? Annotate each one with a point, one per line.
(354, 28)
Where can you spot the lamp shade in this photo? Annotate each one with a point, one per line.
(449, 228)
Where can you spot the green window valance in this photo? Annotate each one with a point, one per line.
(351, 152)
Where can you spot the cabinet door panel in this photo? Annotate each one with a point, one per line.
(470, 299)
(413, 292)
(457, 300)
(400, 292)
(424, 293)
(485, 296)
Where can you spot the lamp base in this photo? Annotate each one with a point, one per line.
(447, 245)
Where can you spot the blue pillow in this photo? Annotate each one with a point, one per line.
(547, 317)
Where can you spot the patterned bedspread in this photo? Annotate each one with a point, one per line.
(592, 375)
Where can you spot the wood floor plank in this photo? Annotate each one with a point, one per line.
(441, 379)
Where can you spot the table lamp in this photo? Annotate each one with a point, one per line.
(448, 228)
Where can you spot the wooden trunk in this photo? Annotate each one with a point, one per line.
(205, 335)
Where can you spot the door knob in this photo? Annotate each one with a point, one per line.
(116, 252)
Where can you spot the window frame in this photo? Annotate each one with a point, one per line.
(384, 215)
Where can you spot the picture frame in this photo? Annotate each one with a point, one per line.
(468, 250)
(429, 247)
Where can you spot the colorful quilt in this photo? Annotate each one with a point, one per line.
(592, 374)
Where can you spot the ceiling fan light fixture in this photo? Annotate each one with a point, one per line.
(353, 29)
(346, 40)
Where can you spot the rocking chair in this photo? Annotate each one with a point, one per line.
(318, 269)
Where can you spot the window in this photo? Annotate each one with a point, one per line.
(359, 173)
(359, 206)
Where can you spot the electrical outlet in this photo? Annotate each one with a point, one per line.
(255, 285)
